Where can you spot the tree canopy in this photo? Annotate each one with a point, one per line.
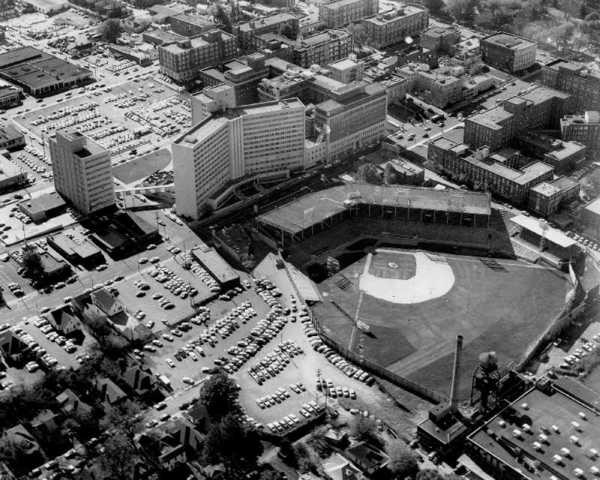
(219, 396)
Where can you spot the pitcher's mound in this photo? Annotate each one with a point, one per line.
(401, 277)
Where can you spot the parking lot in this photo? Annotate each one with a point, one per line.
(133, 117)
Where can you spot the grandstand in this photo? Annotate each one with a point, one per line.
(410, 206)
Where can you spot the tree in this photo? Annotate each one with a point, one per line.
(32, 262)
(434, 6)
(231, 443)
(462, 10)
(369, 173)
(219, 396)
(222, 18)
(111, 29)
(429, 474)
(402, 462)
(117, 456)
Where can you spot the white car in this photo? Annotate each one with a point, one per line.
(170, 363)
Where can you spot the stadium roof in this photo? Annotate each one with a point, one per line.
(549, 233)
(316, 207)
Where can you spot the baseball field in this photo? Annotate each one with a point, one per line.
(416, 302)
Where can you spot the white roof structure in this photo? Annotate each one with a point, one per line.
(551, 234)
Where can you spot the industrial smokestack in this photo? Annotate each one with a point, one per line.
(456, 372)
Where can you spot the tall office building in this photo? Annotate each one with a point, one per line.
(507, 52)
(82, 172)
(251, 141)
(393, 26)
(576, 79)
(342, 12)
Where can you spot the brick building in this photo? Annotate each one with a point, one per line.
(576, 79)
(584, 129)
(507, 52)
(339, 13)
(394, 26)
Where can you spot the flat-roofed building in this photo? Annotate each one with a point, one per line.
(578, 80)
(11, 176)
(393, 26)
(216, 266)
(248, 141)
(11, 137)
(182, 60)
(346, 70)
(39, 73)
(441, 39)
(43, 207)
(76, 248)
(563, 155)
(190, 25)
(546, 198)
(340, 13)
(499, 173)
(82, 172)
(243, 75)
(540, 108)
(10, 96)
(508, 52)
(551, 431)
(282, 23)
(351, 119)
(584, 129)
(322, 48)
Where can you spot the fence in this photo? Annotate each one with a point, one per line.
(378, 370)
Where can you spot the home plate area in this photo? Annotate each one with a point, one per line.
(406, 277)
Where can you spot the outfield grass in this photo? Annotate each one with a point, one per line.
(502, 307)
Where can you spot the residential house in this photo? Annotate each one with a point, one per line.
(110, 392)
(64, 320)
(71, 404)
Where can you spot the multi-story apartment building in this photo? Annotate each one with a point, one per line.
(339, 13)
(497, 173)
(182, 60)
(536, 109)
(394, 26)
(82, 172)
(281, 23)
(438, 88)
(323, 48)
(508, 52)
(576, 79)
(254, 140)
(351, 119)
(584, 129)
(190, 25)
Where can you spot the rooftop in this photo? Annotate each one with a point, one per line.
(394, 15)
(323, 37)
(594, 206)
(211, 124)
(217, 267)
(555, 434)
(509, 41)
(266, 22)
(74, 242)
(43, 203)
(319, 206)
(34, 68)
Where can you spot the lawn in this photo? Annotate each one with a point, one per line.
(500, 306)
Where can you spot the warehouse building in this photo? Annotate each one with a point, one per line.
(551, 431)
(41, 74)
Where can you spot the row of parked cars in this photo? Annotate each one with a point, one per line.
(274, 362)
(292, 421)
(327, 386)
(42, 357)
(279, 396)
(45, 327)
(349, 369)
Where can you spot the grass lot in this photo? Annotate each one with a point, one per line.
(502, 307)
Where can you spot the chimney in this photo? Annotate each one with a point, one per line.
(456, 372)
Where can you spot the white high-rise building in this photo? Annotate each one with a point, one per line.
(82, 172)
(249, 141)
